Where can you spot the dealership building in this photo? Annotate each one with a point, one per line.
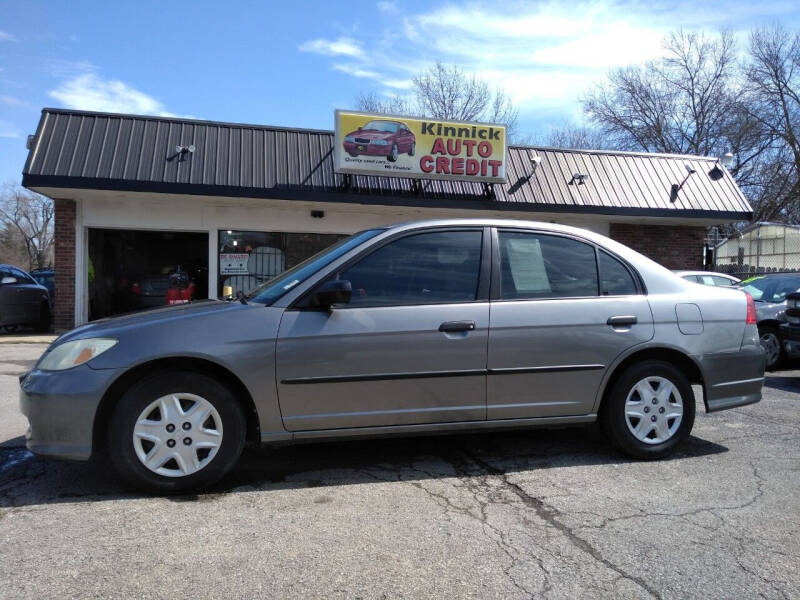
(152, 208)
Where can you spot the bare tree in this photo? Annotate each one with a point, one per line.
(447, 92)
(685, 102)
(29, 217)
(581, 137)
(374, 103)
(772, 100)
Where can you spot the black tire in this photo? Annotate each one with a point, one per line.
(43, 324)
(770, 339)
(139, 396)
(412, 149)
(392, 156)
(353, 154)
(613, 413)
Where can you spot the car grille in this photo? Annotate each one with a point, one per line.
(362, 140)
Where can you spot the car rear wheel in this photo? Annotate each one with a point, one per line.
(412, 149)
(650, 409)
(393, 153)
(177, 431)
(771, 343)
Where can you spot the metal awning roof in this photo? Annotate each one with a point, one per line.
(87, 150)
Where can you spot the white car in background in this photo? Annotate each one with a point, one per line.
(708, 278)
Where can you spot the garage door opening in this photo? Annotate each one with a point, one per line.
(136, 270)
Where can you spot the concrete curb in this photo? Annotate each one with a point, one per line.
(28, 339)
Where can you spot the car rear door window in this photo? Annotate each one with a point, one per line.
(721, 280)
(615, 278)
(535, 265)
(428, 268)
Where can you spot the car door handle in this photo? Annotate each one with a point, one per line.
(622, 320)
(451, 326)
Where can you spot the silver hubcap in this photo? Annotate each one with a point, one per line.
(653, 410)
(177, 435)
(772, 347)
(394, 151)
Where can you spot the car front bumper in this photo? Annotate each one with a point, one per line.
(733, 379)
(790, 335)
(61, 407)
(367, 149)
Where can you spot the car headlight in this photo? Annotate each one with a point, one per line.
(72, 354)
(349, 138)
(380, 142)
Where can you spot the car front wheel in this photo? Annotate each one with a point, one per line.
(771, 343)
(176, 431)
(393, 153)
(650, 409)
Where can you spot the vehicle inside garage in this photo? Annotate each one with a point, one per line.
(134, 270)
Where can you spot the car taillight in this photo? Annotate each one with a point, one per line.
(136, 289)
(751, 310)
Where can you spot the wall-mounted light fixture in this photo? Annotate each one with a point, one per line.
(579, 178)
(180, 149)
(727, 160)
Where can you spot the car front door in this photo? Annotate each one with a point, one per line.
(556, 325)
(10, 300)
(409, 347)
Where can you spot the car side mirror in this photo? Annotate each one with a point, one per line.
(334, 291)
(8, 280)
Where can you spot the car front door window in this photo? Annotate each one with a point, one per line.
(428, 268)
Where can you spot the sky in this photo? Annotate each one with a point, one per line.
(293, 63)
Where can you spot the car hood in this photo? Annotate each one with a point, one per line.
(371, 135)
(158, 316)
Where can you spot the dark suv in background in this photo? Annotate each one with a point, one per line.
(770, 292)
(23, 301)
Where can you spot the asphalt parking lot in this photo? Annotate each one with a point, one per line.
(549, 514)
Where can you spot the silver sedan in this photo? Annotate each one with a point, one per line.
(420, 328)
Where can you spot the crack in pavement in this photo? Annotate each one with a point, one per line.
(550, 515)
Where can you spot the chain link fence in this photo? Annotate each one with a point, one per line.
(762, 248)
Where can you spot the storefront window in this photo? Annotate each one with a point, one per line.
(249, 258)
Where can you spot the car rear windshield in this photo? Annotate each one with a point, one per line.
(381, 126)
(770, 289)
(269, 291)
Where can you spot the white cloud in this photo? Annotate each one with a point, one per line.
(12, 101)
(342, 46)
(90, 92)
(7, 130)
(356, 71)
(7, 37)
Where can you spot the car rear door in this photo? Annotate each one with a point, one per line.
(31, 296)
(556, 325)
(409, 348)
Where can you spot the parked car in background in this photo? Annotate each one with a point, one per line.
(770, 292)
(435, 326)
(708, 277)
(47, 278)
(23, 301)
(790, 331)
(381, 138)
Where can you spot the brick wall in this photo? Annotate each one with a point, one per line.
(64, 307)
(674, 246)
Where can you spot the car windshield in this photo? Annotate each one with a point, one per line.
(387, 126)
(269, 291)
(770, 289)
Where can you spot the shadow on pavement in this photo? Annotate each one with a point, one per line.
(28, 480)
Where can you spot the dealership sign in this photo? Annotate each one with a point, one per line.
(373, 144)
